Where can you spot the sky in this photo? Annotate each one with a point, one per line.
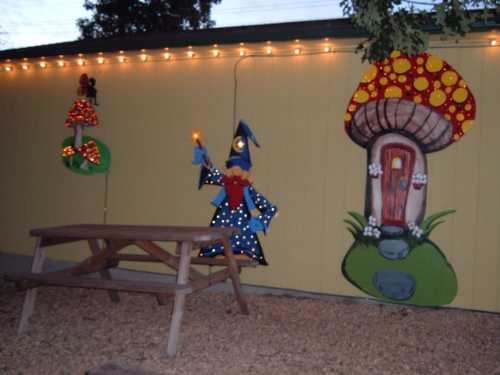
(26, 23)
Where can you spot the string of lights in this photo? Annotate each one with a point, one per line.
(166, 54)
(189, 53)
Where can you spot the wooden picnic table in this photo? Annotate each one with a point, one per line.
(106, 242)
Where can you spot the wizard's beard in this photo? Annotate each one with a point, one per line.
(235, 186)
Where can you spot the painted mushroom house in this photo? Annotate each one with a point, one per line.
(404, 108)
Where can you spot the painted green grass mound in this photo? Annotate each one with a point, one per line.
(74, 164)
(436, 282)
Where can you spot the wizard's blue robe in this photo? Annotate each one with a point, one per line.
(246, 242)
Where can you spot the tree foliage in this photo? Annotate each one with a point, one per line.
(400, 24)
(125, 17)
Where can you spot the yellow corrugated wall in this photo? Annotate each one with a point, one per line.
(307, 165)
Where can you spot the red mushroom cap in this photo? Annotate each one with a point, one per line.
(81, 113)
(90, 152)
(422, 96)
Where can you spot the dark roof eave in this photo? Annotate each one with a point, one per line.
(333, 28)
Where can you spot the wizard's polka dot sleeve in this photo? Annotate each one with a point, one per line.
(212, 176)
(266, 208)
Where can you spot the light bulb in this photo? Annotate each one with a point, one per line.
(242, 52)
(196, 136)
(297, 51)
(25, 66)
(216, 53)
(100, 60)
(8, 68)
(43, 64)
(80, 62)
(269, 50)
(327, 49)
(190, 54)
(144, 57)
(167, 56)
(121, 59)
(60, 63)
(493, 43)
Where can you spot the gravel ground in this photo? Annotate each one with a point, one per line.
(74, 330)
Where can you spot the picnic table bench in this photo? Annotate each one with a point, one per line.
(106, 242)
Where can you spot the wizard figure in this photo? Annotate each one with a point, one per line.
(238, 203)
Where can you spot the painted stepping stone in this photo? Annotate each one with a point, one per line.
(394, 284)
(391, 231)
(393, 249)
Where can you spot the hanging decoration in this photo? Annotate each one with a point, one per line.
(83, 154)
(238, 204)
(92, 91)
(404, 107)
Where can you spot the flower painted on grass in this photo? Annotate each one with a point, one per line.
(415, 230)
(371, 231)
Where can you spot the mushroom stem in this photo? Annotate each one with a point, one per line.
(85, 165)
(78, 135)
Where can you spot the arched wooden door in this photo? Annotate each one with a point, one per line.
(397, 164)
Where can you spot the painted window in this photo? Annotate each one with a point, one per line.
(396, 163)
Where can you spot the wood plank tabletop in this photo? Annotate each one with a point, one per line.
(135, 232)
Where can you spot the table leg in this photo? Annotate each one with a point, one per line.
(95, 248)
(161, 298)
(235, 276)
(29, 299)
(180, 298)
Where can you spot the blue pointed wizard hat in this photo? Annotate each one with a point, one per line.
(239, 155)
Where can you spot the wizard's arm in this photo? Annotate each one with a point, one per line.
(267, 210)
(209, 175)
